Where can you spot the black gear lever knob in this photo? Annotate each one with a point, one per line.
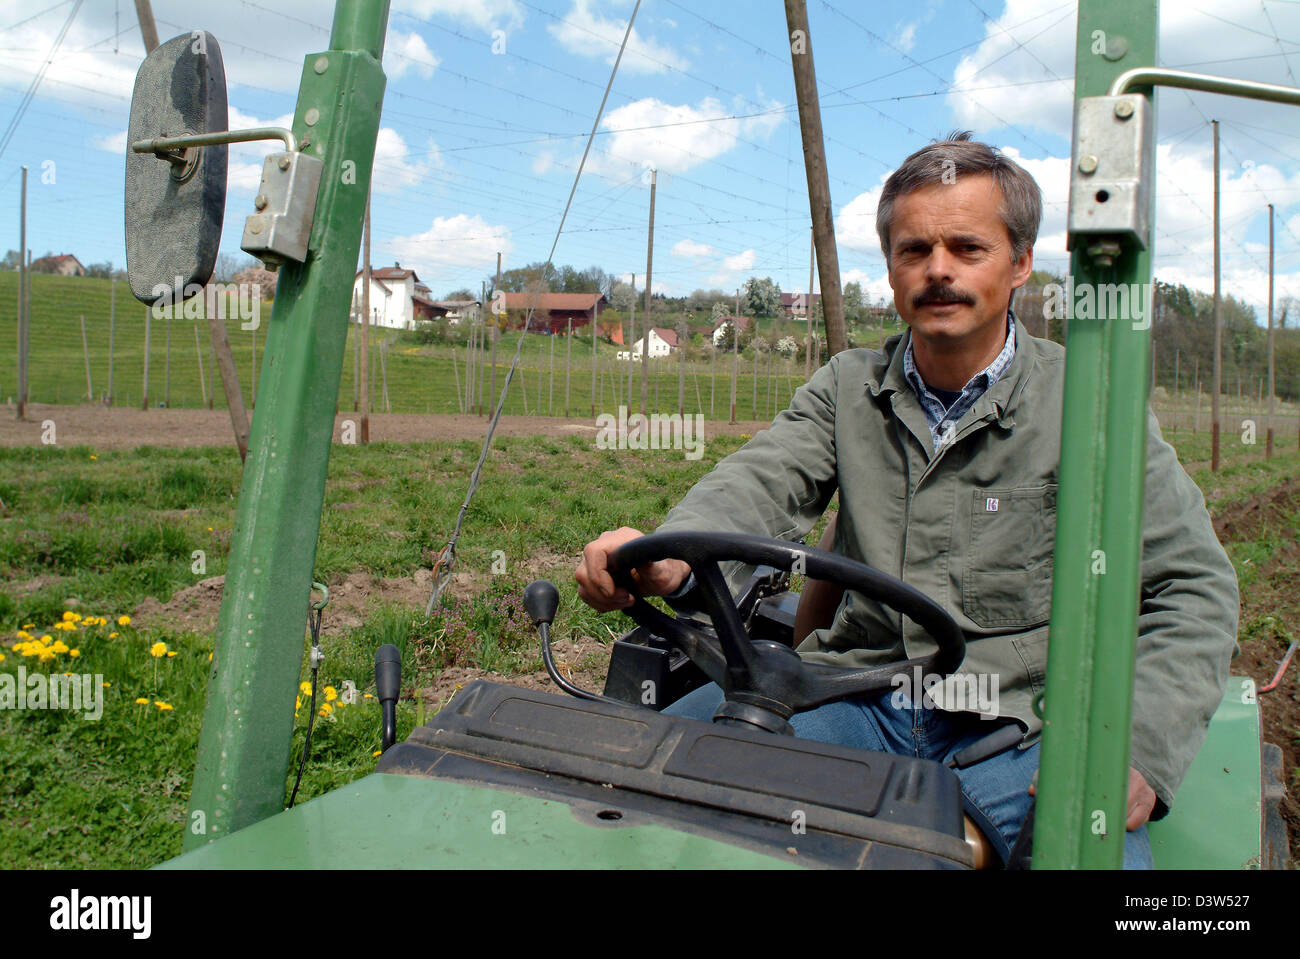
(541, 600)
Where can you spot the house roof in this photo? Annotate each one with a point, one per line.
(53, 260)
(391, 273)
(454, 304)
(554, 301)
(798, 299)
(665, 334)
(740, 321)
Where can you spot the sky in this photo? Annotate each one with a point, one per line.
(489, 104)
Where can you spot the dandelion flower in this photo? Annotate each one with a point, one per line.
(305, 688)
(106, 685)
(70, 617)
(164, 707)
(158, 650)
(143, 701)
(112, 635)
(326, 710)
(59, 647)
(331, 694)
(377, 752)
(2, 657)
(45, 655)
(171, 653)
(65, 626)
(74, 653)
(23, 634)
(368, 696)
(29, 625)
(297, 703)
(124, 620)
(45, 639)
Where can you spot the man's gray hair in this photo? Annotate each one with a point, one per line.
(940, 162)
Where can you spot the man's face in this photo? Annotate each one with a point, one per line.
(950, 260)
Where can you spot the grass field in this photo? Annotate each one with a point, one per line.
(96, 533)
(420, 378)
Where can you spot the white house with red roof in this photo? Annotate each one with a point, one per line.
(397, 298)
(663, 342)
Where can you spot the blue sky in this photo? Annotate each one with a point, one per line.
(478, 148)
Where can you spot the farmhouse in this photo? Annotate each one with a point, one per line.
(720, 330)
(65, 264)
(397, 298)
(797, 305)
(663, 341)
(553, 312)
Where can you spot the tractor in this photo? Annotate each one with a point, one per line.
(609, 779)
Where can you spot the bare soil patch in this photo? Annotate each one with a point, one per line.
(583, 661)
(123, 428)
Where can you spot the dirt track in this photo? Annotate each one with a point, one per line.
(123, 428)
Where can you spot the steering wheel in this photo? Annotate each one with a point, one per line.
(766, 682)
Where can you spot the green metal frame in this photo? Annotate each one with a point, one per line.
(243, 755)
(1083, 778)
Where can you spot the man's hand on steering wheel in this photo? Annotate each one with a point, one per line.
(597, 588)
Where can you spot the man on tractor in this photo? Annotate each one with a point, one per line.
(944, 448)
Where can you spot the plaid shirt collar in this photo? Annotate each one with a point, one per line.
(941, 420)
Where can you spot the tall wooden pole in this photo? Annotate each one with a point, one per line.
(148, 30)
(819, 188)
(1218, 325)
(649, 262)
(1268, 447)
(203, 386)
(24, 280)
(144, 398)
(808, 310)
(492, 388)
(568, 364)
(631, 343)
(85, 352)
(365, 330)
(682, 333)
(112, 324)
(167, 362)
(735, 355)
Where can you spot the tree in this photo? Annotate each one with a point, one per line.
(720, 309)
(762, 297)
(461, 294)
(854, 302)
(12, 261)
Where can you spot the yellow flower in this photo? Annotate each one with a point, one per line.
(305, 688)
(59, 647)
(143, 701)
(106, 685)
(45, 655)
(377, 752)
(209, 529)
(45, 639)
(124, 620)
(23, 634)
(65, 626)
(368, 696)
(326, 710)
(171, 653)
(163, 707)
(331, 694)
(74, 653)
(209, 656)
(158, 650)
(93, 456)
(112, 635)
(29, 625)
(297, 703)
(2, 657)
(29, 649)
(70, 617)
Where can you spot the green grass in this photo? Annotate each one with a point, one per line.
(420, 378)
(109, 528)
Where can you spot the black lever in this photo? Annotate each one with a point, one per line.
(388, 685)
(541, 600)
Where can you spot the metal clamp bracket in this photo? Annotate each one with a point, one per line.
(1114, 169)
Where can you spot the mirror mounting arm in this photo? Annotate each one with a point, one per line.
(173, 149)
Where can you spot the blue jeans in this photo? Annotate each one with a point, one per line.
(994, 792)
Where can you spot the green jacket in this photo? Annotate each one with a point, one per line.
(927, 518)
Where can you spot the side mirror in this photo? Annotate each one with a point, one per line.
(176, 199)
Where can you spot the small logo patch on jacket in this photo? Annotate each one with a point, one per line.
(991, 505)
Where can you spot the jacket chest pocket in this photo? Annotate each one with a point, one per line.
(1008, 577)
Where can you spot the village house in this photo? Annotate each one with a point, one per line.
(65, 264)
(720, 329)
(796, 305)
(663, 342)
(397, 298)
(553, 312)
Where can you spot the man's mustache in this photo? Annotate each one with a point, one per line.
(942, 294)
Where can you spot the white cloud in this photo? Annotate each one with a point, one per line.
(451, 243)
(587, 33)
(690, 248)
(855, 226)
(543, 162)
(732, 268)
(484, 14)
(907, 38)
(875, 288)
(404, 52)
(394, 167)
(671, 138)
